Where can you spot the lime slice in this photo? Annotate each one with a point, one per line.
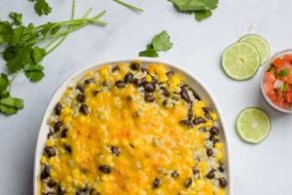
(240, 61)
(253, 125)
(260, 44)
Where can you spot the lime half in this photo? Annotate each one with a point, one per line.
(260, 44)
(240, 61)
(253, 125)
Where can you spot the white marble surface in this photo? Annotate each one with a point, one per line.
(263, 169)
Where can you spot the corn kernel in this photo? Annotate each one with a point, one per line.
(148, 78)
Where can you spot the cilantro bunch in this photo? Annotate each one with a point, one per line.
(25, 46)
(160, 42)
(202, 9)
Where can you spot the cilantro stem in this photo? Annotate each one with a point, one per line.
(72, 16)
(11, 81)
(132, 7)
(65, 36)
(77, 27)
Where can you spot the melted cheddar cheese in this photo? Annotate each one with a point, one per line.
(112, 135)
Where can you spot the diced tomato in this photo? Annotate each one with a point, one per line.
(272, 95)
(279, 62)
(287, 58)
(268, 86)
(289, 97)
(289, 79)
(269, 77)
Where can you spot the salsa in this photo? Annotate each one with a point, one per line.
(278, 81)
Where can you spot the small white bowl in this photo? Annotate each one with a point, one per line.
(195, 83)
(265, 68)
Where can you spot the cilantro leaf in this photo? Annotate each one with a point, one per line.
(201, 15)
(202, 9)
(189, 5)
(6, 32)
(41, 7)
(211, 4)
(10, 105)
(16, 17)
(4, 82)
(38, 54)
(34, 72)
(16, 35)
(148, 53)
(21, 58)
(161, 42)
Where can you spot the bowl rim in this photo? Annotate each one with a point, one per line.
(64, 84)
(266, 66)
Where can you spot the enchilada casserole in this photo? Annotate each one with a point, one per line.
(132, 129)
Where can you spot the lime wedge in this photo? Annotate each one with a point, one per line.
(260, 44)
(253, 125)
(240, 61)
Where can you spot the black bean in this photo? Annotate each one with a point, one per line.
(143, 69)
(165, 92)
(165, 102)
(120, 84)
(115, 68)
(221, 168)
(104, 83)
(207, 113)
(174, 174)
(83, 191)
(211, 174)
(80, 98)
(95, 92)
(214, 131)
(88, 81)
(81, 88)
(50, 134)
(57, 126)
(213, 139)
(135, 66)
(138, 82)
(198, 121)
(60, 191)
(84, 109)
(64, 133)
(195, 95)
(50, 151)
(45, 172)
(149, 98)
(222, 182)
(209, 152)
(170, 73)
(156, 183)
(188, 182)
(52, 183)
(105, 169)
(58, 108)
(68, 148)
(184, 95)
(190, 113)
(129, 98)
(115, 150)
(186, 123)
(149, 87)
(128, 78)
(195, 171)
